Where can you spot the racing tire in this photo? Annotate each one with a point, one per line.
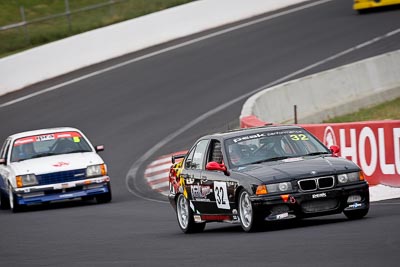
(87, 198)
(356, 214)
(104, 198)
(4, 202)
(185, 217)
(13, 201)
(249, 220)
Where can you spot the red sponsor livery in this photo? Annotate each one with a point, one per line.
(374, 146)
(60, 164)
(45, 137)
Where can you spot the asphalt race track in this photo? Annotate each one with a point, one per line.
(133, 109)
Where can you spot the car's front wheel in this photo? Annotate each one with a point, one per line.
(106, 197)
(14, 205)
(185, 217)
(356, 214)
(248, 217)
(4, 202)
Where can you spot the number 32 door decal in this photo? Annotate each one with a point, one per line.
(221, 195)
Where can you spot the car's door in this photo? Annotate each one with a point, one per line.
(5, 171)
(222, 199)
(195, 187)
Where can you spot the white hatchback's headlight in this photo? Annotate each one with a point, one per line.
(96, 170)
(349, 177)
(26, 180)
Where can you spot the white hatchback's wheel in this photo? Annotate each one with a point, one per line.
(185, 216)
(105, 197)
(4, 202)
(14, 205)
(248, 218)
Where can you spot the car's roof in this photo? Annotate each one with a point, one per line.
(250, 131)
(44, 131)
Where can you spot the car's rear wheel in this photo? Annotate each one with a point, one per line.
(356, 214)
(248, 217)
(185, 217)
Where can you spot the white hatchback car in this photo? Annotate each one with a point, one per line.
(50, 165)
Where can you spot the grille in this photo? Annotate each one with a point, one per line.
(319, 205)
(61, 177)
(325, 182)
(316, 183)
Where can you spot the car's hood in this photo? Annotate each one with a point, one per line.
(298, 168)
(56, 163)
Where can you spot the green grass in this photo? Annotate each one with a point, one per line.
(19, 39)
(386, 111)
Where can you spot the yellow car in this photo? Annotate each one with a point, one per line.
(361, 5)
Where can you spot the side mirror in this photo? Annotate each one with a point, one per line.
(99, 148)
(2, 161)
(215, 166)
(335, 150)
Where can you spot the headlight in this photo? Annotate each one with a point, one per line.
(96, 170)
(274, 188)
(281, 187)
(26, 180)
(350, 177)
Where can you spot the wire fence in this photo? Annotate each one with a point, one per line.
(28, 33)
(67, 15)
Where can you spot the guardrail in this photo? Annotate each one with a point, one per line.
(66, 14)
(34, 31)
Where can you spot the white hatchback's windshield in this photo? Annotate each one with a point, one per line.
(272, 145)
(47, 145)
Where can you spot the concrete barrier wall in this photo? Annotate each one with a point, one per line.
(60, 57)
(373, 145)
(330, 93)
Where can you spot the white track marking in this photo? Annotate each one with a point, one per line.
(160, 176)
(161, 161)
(157, 168)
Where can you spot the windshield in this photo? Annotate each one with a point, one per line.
(272, 145)
(48, 144)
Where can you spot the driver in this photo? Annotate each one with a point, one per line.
(64, 146)
(270, 147)
(27, 151)
(217, 153)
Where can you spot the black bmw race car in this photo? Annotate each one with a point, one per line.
(271, 173)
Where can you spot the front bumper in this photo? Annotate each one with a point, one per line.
(62, 191)
(311, 204)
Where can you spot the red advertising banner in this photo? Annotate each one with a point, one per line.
(372, 145)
